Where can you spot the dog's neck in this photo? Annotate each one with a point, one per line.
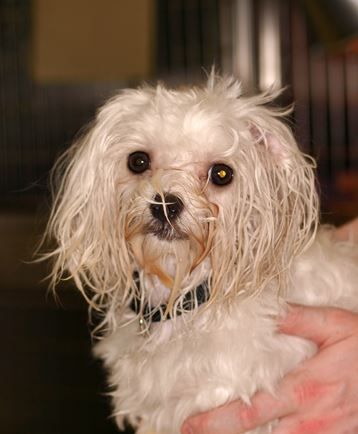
(191, 300)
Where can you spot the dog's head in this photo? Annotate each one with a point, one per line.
(181, 187)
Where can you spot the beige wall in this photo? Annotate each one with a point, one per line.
(86, 40)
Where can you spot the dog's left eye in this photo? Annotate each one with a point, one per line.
(221, 174)
(138, 162)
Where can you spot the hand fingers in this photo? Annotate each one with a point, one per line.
(322, 325)
(337, 421)
(298, 390)
(237, 417)
(311, 424)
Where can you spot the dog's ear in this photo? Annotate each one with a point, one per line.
(275, 143)
(87, 221)
(276, 193)
(276, 147)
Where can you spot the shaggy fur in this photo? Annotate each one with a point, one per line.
(254, 242)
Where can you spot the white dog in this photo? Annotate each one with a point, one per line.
(188, 219)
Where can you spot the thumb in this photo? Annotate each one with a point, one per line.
(322, 325)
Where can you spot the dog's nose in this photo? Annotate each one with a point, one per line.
(169, 210)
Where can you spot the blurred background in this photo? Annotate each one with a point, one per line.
(60, 60)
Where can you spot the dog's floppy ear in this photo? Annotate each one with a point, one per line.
(86, 220)
(275, 146)
(276, 195)
(273, 142)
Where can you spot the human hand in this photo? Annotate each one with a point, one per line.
(320, 396)
(349, 231)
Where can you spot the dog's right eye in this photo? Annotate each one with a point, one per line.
(138, 162)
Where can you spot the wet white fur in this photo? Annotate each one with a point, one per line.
(225, 353)
(255, 241)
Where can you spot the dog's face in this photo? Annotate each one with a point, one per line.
(182, 187)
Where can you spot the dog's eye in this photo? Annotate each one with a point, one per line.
(138, 162)
(221, 174)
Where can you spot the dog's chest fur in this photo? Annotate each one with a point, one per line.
(224, 353)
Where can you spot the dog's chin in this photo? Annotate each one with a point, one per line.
(165, 232)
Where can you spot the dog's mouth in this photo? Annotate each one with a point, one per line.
(165, 231)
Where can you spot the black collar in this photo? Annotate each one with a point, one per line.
(191, 300)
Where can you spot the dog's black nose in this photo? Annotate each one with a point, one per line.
(169, 210)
